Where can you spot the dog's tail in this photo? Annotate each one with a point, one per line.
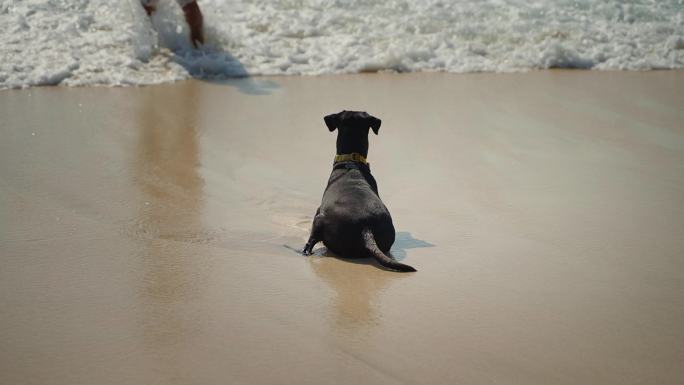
(382, 258)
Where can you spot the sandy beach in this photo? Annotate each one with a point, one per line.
(148, 235)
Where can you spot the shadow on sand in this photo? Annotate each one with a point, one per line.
(215, 65)
(403, 241)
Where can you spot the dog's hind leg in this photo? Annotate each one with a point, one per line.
(316, 234)
(308, 248)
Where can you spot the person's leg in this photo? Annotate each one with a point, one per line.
(149, 5)
(193, 16)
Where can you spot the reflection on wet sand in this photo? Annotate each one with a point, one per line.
(359, 282)
(573, 277)
(169, 220)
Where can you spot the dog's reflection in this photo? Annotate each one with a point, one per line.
(358, 283)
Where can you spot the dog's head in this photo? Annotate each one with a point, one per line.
(352, 130)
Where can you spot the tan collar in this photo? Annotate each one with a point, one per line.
(354, 157)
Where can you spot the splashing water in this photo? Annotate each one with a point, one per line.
(85, 42)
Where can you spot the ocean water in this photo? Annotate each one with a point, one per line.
(113, 42)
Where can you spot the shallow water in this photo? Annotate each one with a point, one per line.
(85, 42)
(147, 234)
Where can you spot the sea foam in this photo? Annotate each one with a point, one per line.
(85, 42)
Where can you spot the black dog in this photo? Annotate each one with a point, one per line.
(352, 221)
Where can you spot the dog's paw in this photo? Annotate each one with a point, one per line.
(307, 252)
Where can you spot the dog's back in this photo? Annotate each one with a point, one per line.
(351, 203)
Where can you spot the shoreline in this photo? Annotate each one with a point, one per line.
(220, 80)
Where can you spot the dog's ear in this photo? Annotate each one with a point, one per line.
(375, 124)
(331, 121)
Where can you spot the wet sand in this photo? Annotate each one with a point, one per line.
(146, 234)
